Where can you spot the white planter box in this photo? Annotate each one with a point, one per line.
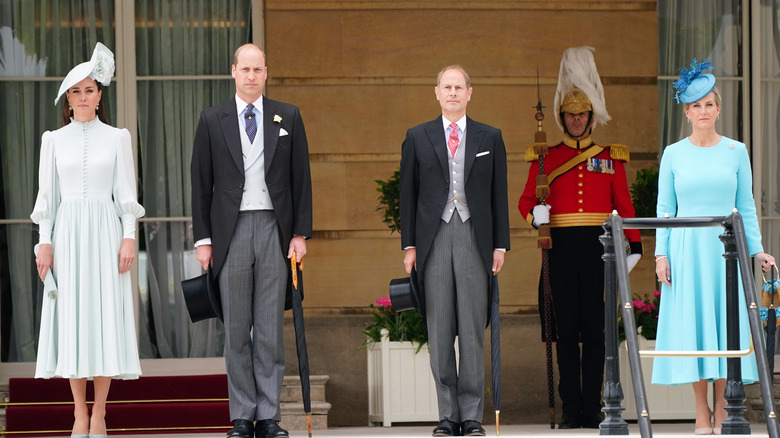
(400, 384)
(663, 401)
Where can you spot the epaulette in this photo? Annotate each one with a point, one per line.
(618, 152)
(532, 154)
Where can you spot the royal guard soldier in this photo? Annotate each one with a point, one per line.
(586, 183)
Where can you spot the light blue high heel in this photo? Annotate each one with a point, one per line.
(80, 436)
(99, 436)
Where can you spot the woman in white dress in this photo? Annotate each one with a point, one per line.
(86, 210)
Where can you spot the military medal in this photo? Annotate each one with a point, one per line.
(590, 164)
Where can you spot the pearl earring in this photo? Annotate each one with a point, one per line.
(97, 106)
(689, 120)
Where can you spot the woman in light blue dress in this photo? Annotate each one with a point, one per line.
(86, 211)
(705, 174)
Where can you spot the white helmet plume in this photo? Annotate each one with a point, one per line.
(578, 69)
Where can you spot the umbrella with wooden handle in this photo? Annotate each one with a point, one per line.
(300, 336)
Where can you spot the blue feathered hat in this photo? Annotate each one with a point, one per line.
(692, 85)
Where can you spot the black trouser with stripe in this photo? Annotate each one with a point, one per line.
(577, 282)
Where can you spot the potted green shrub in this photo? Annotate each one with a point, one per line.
(389, 204)
(644, 192)
(400, 382)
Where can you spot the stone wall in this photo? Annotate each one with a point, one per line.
(363, 72)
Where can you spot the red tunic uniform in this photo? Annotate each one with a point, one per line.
(581, 197)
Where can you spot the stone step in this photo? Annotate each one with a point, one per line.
(293, 417)
(293, 408)
(755, 403)
(291, 388)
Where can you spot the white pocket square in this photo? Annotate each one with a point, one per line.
(482, 153)
(282, 132)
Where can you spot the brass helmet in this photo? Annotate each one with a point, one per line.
(575, 102)
(579, 87)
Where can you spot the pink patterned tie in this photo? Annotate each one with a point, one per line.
(453, 142)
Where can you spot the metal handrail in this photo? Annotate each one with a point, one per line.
(616, 277)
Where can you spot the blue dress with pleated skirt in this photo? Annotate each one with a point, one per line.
(701, 181)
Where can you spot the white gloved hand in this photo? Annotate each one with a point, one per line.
(541, 214)
(632, 260)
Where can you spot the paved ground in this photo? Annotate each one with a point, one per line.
(666, 430)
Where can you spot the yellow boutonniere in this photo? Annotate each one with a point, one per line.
(277, 118)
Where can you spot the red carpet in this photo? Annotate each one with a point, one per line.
(40, 407)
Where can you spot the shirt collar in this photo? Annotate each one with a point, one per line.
(241, 105)
(461, 123)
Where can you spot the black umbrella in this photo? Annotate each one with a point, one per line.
(771, 321)
(300, 337)
(495, 348)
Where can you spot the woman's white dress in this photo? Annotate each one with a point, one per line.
(86, 205)
(701, 181)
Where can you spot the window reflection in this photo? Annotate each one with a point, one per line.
(166, 257)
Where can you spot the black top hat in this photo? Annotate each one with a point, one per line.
(202, 297)
(405, 294)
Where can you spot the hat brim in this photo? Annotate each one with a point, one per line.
(698, 88)
(76, 75)
(84, 70)
(201, 294)
(404, 294)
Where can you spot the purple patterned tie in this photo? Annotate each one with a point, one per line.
(250, 122)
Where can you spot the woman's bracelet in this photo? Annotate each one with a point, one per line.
(659, 257)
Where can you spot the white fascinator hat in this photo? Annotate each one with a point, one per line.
(100, 68)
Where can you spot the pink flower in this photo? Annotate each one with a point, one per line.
(657, 294)
(383, 302)
(639, 305)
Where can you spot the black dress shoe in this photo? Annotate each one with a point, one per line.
(592, 420)
(269, 429)
(472, 428)
(447, 428)
(570, 421)
(241, 429)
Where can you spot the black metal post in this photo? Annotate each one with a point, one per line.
(735, 423)
(733, 224)
(629, 325)
(751, 300)
(613, 423)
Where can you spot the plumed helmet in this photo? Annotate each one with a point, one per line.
(579, 86)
